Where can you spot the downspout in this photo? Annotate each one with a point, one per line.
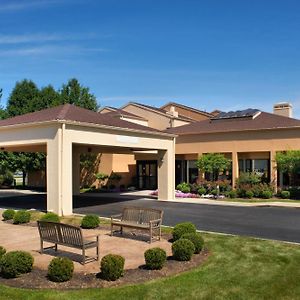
(63, 127)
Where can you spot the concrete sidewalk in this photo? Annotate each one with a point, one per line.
(232, 203)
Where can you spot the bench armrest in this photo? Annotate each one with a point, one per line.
(115, 216)
(155, 222)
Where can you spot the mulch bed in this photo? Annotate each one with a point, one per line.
(37, 279)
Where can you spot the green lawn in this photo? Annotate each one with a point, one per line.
(238, 268)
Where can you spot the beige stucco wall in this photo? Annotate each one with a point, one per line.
(136, 121)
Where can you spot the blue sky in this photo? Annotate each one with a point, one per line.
(209, 54)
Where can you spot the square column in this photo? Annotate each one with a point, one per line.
(59, 175)
(166, 174)
(235, 168)
(273, 170)
(76, 171)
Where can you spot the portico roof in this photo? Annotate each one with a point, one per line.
(71, 113)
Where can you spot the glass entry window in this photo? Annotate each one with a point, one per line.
(258, 166)
(147, 174)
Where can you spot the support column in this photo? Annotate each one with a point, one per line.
(273, 170)
(59, 174)
(235, 168)
(76, 171)
(166, 174)
(201, 175)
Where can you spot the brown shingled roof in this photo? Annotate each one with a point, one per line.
(69, 112)
(262, 121)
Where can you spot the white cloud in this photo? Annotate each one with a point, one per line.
(21, 5)
(44, 50)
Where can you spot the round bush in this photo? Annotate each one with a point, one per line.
(196, 239)
(2, 251)
(183, 249)
(60, 269)
(155, 258)
(112, 267)
(15, 263)
(285, 194)
(8, 214)
(90, 221)
(202, 191)
(182, 228)
(51, 217)
(22, 216)
(266, 194)
(249, 194)
(232, 194)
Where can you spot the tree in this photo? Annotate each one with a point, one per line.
(3, 113)
(21, 98)
(213, 163)
(47, 97)
(74, 93)
(288, 161)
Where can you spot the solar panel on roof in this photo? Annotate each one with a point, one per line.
(250, 112)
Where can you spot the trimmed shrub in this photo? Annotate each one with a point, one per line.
(285, 194)
(214, 192)
(60, 269)
(2, 251)
(22, 216)
(155, 258)
(232, 194)
(184, 187)
(183, 250)
(182, 228)
(249, 194)
(6, 179)
(51, 217)
(196, 239)
(112, 267)
(90, 221)
(202, 191)
(8, 214)
(266, 194)
(15, 263)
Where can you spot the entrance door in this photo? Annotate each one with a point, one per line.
(147, 174)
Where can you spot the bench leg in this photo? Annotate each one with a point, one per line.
(42, 247)
(55, 247)
(83, 256)
(111, 229)
(98, 249)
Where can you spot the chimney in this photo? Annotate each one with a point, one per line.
(283, 109)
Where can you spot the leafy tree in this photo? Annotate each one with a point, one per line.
(21, 98)
(213, 163)
(3, 113)
(74, 93)
(288, 161)
(47, 97)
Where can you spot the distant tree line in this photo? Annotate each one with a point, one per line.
(26, 97)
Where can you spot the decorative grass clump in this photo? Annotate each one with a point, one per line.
(15, 263)
(60, 269)
(21, 217)
(183, 250)
(8, 214)
(112, 267)
(50, 217)
(196, 239)
(155, 258)
(182, 228)
(2, 251)
(90, 221)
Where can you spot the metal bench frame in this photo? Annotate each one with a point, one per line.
(141, 218)
(66, 235)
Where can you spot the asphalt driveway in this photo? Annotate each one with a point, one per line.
(266, 222)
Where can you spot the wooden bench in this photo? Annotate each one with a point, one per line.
(147, 219)
(66, 235)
